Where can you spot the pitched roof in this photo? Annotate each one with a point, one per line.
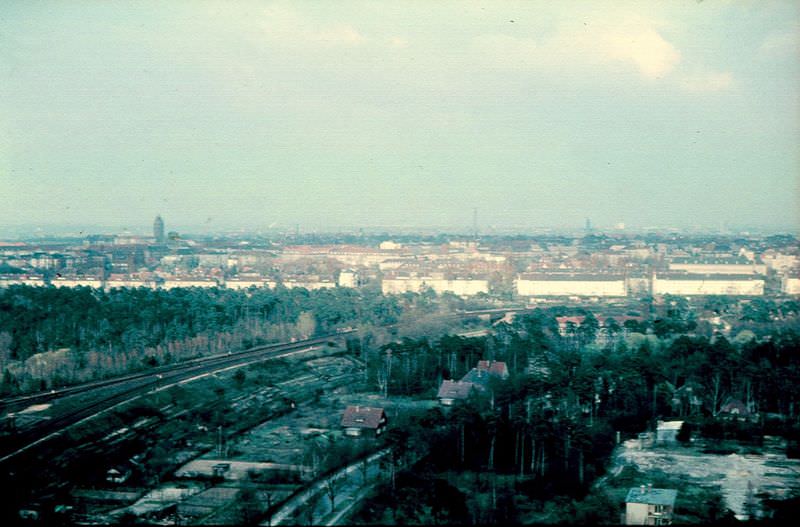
(734, 406)
(652, 496)
(565, 320)
(494, 367)
(362, 417)
(455, 390)
(476, 377)
(669, 425)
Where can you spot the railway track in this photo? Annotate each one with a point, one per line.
(128, 387)
(11, 403)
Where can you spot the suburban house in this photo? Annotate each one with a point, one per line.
(734, 409)
(118, 474)
(476, 379)
(486, 369)
(667, 432)
(686, 400)
(358, 419)
(649, 506)
(494, 367)
(452, 391)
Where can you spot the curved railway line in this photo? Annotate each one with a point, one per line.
(171, 370)
(129, 386)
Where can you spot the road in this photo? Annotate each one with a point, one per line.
(313, 503)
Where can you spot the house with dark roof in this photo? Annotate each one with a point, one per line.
(118, 474)
(734, 409)
(452, 391)
(358, 420)
(649, 506)
(478, 378)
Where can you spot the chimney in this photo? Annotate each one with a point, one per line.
(649, 487)
(642, 489)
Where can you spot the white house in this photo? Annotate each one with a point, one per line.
(649, 506)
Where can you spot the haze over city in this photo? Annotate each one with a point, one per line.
(374, 115)
(399, 263)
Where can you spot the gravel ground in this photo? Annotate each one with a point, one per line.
(769, 473)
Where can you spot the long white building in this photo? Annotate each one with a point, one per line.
(77, 281)
(112, 283)
(311, 285)
(174, 283)
(728, 266)
(458, 286)
(708, 284)
(21, 279)
(567, 284)
(246, 283)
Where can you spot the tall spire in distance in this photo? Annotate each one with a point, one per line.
(158, 229)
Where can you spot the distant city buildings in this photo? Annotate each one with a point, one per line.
(600, 267)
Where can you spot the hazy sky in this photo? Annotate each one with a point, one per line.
(223, 114)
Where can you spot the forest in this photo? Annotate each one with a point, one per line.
(51, 337)
(548, 431)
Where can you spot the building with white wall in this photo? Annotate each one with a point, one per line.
(458, 286)
(245, 283)
(77, 281)
(570, 284)
(790, 285)
(311, 285)
(21, 279)
(727, 266)
(648, 506)
(780, 262)
(349, 279)
(126, 281)
(638, 285)
(173, 283)
(707, 284)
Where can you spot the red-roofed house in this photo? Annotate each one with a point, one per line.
(494, 367)
(357, 419)
(563, 323)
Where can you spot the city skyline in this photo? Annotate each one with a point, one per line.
(264, 116)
